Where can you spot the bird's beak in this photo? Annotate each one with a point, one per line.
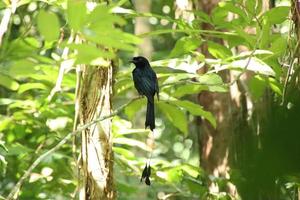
(131, 61)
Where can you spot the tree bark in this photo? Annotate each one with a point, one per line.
(215, 143)
(142, 26)
(96, 149)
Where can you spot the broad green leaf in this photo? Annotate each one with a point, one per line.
(210, 79)
(123, 85)
(8, 82)
(257, 86)
(276, 86)
(135, 106)
(124, 152)
(29, 86)
(90, 54)
(131, 142)
(202, 16)
(109, 38)
(101, 18)
(185, 45)
(218, 50)
(176, 116)
(279, 46)
(174, 78)
(22, 68)
(196, 109)
(48, 25)
(219, 15)
(250, 7)
(17, 149)
(255, 64)
(191, 170)
(265, 31)
(186, 89)
(173, 175)
(5, 123)
(277, 15)
(230, 6)
(76, 14)
(6, 101)
(250, 39)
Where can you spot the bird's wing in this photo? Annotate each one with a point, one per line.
(143, 83)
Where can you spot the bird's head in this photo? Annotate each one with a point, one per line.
(140, 61)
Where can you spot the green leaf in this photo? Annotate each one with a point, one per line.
(230, 6)
(218, 50)
(257, 86)
(210, 79)
(275, 86)
(186, 89)
(185, 45)
(90, 54)
(265, 31)
(48, 25)
(250, 7)
(8, 82)
(131, 142)
(17, 149)
(135, 106)
(196, 109)
(6, 101)
(277, 15)
(29, 86)
(279, 46)
(255, 64)
(101, 17)
(124, 152)
(176, 116)
(76, 14)
(22, 68)
(219, 15)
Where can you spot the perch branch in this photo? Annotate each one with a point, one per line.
(13, 194)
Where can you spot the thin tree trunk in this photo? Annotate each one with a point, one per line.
(142, 26)
(96, 149)
(215, 143)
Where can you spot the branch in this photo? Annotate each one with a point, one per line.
(6, 18)
(14, 192)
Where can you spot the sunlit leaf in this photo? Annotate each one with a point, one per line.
(22, 68)
(29, 86)
(196, 109)
(185, 45)
(131, 142)
(257, 86)
(90, 54)
(277, 15)
(48, 25)
(124, 152)
(76, 14)
(218, 50)
(176, 116)
(8, 82)
(135, 106)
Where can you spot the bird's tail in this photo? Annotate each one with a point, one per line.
(150, 118)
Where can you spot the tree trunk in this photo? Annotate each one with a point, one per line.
(142, 26)
(214, 143)
(96, 149)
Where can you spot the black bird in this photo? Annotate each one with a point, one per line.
(145, 81)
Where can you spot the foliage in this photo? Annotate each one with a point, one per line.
(41, 48)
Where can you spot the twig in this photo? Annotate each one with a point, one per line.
(63, 66)
(6, 18)
(14, 192)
